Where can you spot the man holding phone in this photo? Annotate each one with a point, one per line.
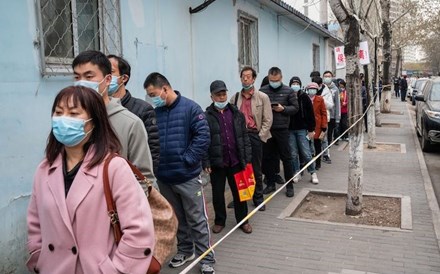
(284, 104)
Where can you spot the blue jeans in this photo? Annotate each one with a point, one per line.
(300, 144)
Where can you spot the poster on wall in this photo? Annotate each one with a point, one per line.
(364, 56)
(340, 57)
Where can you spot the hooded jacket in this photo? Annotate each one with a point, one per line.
(146, 113)
(133, 137)
(285, 97)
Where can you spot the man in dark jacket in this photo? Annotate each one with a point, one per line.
(302, 131)
(284, 104)
(403, 88)
(228, 153)
(121, 72)
(184, 140)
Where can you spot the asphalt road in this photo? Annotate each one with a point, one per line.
(432, 160)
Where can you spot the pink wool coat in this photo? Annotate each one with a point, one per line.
(73, 235)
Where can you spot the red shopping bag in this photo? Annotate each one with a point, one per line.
(245, 181)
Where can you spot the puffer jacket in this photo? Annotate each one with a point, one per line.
(146, 113)
(214, 158)
(184, 140)
(288, 99)
(305, 117)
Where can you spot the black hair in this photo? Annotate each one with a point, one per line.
(254, 73)
(265, 81)
(274, 71)
(96, 58)
(327, 71)
(317, 79)
(123, 66)
(314, 73)
(157, 80)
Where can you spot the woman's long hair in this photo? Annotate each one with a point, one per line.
(102, 137)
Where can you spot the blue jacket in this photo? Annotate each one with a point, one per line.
(184, 139)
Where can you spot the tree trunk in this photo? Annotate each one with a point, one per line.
(371, 119)
(398, 62)
(386, 32)
(378, 122)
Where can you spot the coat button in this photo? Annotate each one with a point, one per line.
(51, 247)
(74, 251)
(36, 270)
(147, 252)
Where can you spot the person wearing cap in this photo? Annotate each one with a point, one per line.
(255, 106)
(229, 152)
(320, 112)
(302, 131)
(284, 104)
(184, 140)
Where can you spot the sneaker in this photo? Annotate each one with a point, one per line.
(181, 259)
(296, 179)
(207, 269)
(231, 204)
(326, 159)
(314, 179)
(269, 189)
(279, 179)
(289, 192)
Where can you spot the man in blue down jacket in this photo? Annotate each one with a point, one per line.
(284, 104)
(184, 140)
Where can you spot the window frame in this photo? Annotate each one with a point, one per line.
(316, 63)
(252, 21)
(50, 66)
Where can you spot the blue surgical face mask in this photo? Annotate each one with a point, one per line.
(90, 84)
(69, 131)
(275, 85)
(114, 86)
(327, 80)
(312, 92)
(295, 88)
(221, 105)
(247, 87)
(158, 101)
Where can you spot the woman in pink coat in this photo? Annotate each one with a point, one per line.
(68, 227)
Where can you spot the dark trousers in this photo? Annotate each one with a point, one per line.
(396, 90)
(318, 148)
(257, 158)
(331, 127)
(343, 126)
(276, 148)
(218, 178)
(403, 95)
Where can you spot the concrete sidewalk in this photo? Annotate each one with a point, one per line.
(287, 246)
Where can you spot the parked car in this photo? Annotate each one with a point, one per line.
(416, 88)
(428, 114)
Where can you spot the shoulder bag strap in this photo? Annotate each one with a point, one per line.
(111, 206)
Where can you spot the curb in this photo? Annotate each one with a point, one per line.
(430, 195)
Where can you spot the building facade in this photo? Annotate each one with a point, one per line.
(190, 47)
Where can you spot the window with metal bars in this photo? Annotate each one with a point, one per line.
(316, 58)
(247, 41)
(68, 27)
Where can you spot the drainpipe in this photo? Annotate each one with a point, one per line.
(201, 7)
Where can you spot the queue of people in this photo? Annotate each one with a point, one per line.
(170, 144)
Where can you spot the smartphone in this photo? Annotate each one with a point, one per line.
(274, 104)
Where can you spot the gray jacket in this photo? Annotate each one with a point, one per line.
(133, 137)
